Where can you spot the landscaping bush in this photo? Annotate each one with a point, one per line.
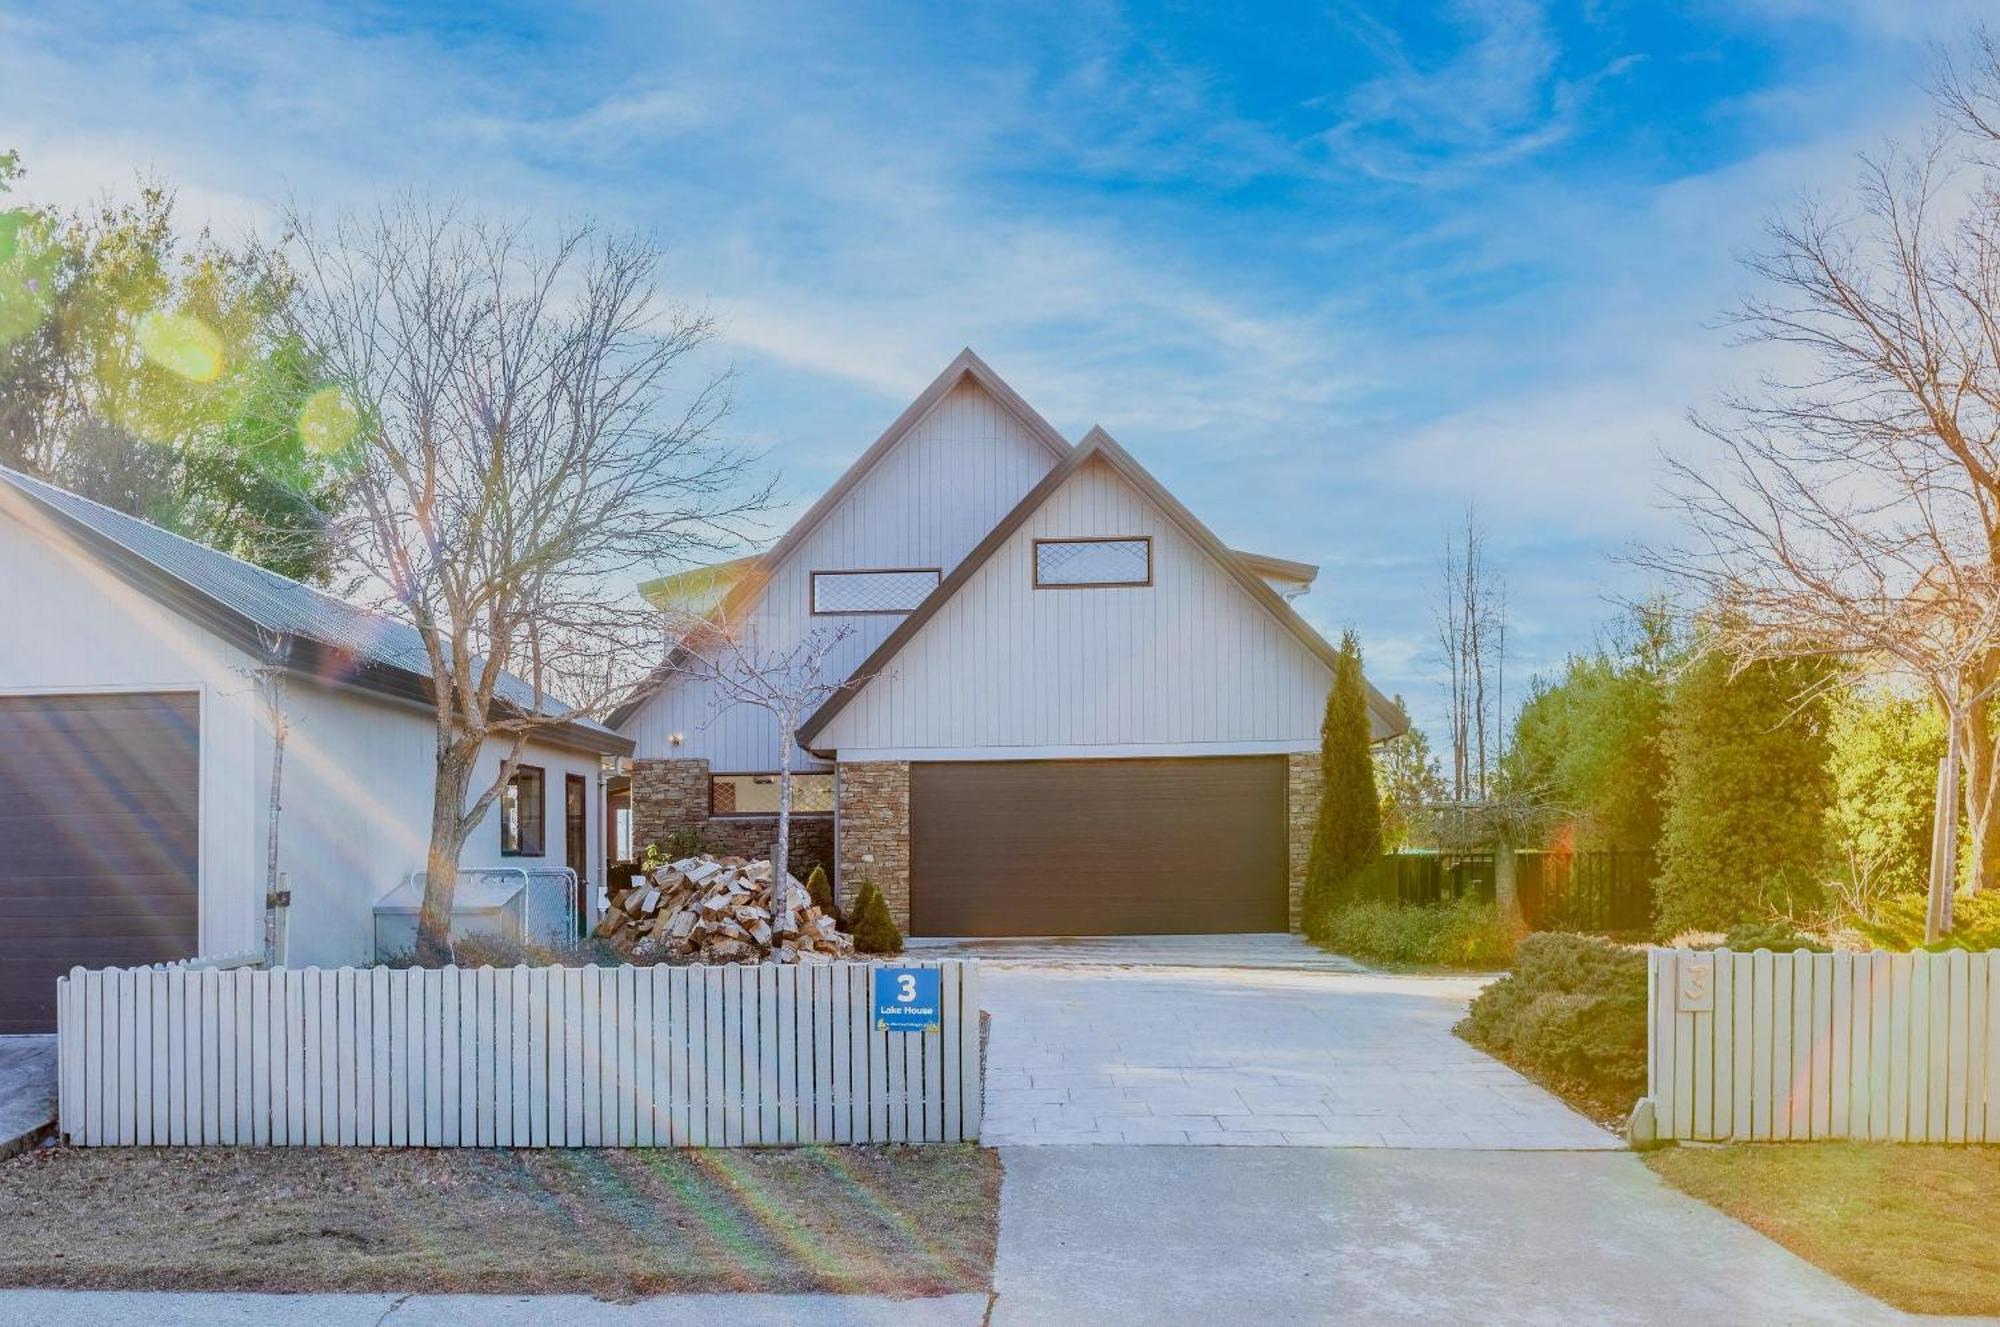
(1572, 1014)
(1778, 937)
(822, 895)
(1897, 923)
(1347, 828)
(873, 929)
(1465, 933)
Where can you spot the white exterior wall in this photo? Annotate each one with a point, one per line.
(357, 769)
(357, 813)
(1190, 665)
(74, 627)
(951, 478)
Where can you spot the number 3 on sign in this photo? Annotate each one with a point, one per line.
(907, 999)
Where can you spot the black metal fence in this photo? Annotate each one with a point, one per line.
(1604, 890)
(1609, 890)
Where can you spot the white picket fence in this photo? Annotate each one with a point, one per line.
(510, 1057)
(1764, 1046)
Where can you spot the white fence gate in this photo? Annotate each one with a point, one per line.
(1889, 1047)
(510, 1057)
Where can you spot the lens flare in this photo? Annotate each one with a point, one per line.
(181, 344)
(328, 421)
(24, 279)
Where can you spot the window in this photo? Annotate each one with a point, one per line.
(522, 812)
(1088, 563)
(841, 593)
(757, 795)
(621, 834)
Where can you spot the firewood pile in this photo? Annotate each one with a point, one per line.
(720, 910)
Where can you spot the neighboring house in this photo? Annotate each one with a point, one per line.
(1074, 711)
(135, 756)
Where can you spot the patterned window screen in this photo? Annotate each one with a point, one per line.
(1093, 562)
(871, 591)
(757, 795)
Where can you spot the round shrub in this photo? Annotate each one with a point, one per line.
(1572, 1014)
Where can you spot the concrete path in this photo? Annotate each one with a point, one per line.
(1251, 1057)
(27, 1090)
(70, 1308)
(1161, 1236)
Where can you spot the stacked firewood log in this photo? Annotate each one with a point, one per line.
(720, 910)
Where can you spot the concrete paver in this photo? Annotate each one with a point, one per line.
(27, 1089)
(1157, 1052)
(1268, 951)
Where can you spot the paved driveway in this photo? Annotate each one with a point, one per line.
(1302, 1050)
(27, 1089)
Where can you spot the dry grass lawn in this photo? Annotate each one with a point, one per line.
(1911, 1225)
(617, 1224)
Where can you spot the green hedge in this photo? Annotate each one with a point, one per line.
(1462, 934)
(1572, 1014)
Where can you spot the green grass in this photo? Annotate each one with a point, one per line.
(616, 1224)
(1911, 1225)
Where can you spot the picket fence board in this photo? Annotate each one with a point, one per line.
(1889, 1047)
(624, 1057)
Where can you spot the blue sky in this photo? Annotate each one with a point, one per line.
(1331, 271)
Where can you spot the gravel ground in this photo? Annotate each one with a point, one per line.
(616, 1224)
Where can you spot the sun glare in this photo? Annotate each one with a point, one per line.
(328, 420)
(182, 345)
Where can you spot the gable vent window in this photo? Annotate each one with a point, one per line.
(838, 593)
(1088, 563)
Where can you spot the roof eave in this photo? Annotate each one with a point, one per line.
(1386, 720)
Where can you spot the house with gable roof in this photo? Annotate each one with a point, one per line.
(1071, 709)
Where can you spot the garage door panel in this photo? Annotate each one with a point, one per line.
(1098, 847)
(99, 840)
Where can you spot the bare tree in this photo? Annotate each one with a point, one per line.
(517, 456)
(1854, 509)
(788, 683)
(1471, 616)
(270, 676)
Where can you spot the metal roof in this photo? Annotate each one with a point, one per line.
(382, 653)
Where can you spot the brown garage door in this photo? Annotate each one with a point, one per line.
(98, 840)
(1098, 847)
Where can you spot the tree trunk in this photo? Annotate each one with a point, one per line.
(454, 777)
(1506, 888)
(1980, 771)
(275, 700)
(781, 857)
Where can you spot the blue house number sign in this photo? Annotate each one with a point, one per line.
(906, 1000)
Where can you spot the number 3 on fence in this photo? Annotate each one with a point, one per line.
(907, 1000)
(1696, 992)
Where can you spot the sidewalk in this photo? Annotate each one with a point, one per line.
(84, 1308)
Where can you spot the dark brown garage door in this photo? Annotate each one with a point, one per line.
(1098, 847)
(98, 840)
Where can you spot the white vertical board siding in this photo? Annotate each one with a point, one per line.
(1799, 1046)
(923, 504)
(1190, 659)
(74, 627)
(521, 1057)
(366, 770)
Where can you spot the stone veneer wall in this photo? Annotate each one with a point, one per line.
(1302, 799)
(673, 794)
(872, 798)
